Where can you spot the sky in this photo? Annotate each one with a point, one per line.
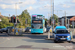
(38, 7)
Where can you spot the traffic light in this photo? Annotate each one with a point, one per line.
(18, 21)
(13, 19)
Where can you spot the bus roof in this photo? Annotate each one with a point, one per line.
(58, 27)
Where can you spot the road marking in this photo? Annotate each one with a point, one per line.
(3, 42)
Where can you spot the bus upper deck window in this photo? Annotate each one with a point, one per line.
(33, 17)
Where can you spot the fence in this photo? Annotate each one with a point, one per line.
(14, 31)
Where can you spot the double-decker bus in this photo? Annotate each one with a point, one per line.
(37, 24)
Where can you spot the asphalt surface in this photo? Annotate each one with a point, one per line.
(30, 41)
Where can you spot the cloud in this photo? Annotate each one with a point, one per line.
(9, 1)
(4, 6)
(30, 2)
(30, 8)
(47, 5)
(10, 4)
(42, 0)
(66, 6)
(73, 1)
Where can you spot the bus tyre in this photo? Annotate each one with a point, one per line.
(55, 41)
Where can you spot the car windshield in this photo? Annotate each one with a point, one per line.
(62, 31)
(60, 28)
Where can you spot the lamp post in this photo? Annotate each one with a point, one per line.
(16, 14)
(16, 9)
(65, 17)
(52, 13)
(53, 16)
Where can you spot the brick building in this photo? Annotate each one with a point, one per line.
(72, 20)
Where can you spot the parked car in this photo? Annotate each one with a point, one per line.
(62, 35)
(6, 29)
(1, 31)
(28, 29)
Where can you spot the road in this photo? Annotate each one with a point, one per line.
(32, 42)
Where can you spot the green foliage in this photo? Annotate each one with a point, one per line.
(24, 15)
(5, 22)
(55, 18)
(46, 19)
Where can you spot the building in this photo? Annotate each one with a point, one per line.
(0, 13)
(72, 20)
(68, 20)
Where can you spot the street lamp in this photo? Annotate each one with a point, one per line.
(65, 17)
(16, 9)
(53, 15)
(52, 12)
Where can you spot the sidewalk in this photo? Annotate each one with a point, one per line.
(73, 34)
(73, 41)
(73, 30)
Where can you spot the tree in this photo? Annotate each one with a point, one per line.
(55, 18)
(24, 15)
(46, 19)
(5, 22)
